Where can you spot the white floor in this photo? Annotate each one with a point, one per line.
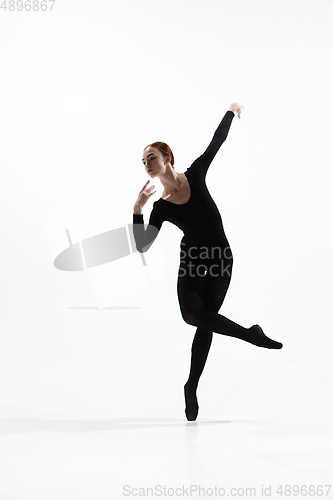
(95, 410)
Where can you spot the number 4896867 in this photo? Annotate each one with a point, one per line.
(34, 5)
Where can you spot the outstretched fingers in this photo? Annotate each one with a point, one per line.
(151, 187)
(239, 109)
(144, 186)
(147, 191)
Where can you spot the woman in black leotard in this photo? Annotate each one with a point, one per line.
(205, 255)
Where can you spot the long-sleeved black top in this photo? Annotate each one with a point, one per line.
(199, 218)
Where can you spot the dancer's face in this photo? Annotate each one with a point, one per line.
(154, 162)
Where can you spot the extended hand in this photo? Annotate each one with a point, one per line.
(236, 108)
(144, 194)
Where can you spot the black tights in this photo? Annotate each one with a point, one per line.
(203, 281)
(200, 298)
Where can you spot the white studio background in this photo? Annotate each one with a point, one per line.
(84, 89)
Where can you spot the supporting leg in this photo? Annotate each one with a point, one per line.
(213, 293)
(200, 349)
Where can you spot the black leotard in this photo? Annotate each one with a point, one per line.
(199, 218)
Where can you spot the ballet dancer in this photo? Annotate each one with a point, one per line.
(206, 258)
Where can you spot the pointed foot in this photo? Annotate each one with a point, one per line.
(258, 338)
(192, 407)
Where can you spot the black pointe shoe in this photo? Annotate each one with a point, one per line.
(192, 407)
(259, 339)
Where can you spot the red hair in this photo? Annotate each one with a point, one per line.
(164, 149)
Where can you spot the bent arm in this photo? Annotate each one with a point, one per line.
(144, 238)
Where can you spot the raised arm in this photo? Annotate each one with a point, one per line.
(219, 137)
(144, 238)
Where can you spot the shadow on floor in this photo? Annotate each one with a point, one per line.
(28, 425)
(113, 308)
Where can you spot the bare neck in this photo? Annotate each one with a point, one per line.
(172, 182)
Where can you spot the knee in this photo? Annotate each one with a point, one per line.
(191, 308)
(191, 317)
